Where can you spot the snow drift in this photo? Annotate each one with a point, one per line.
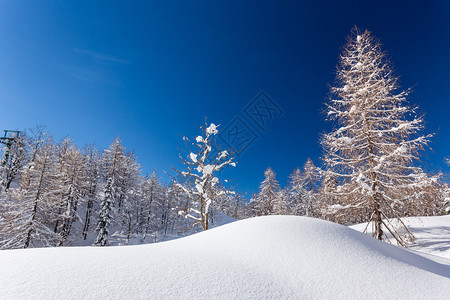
(265, 257)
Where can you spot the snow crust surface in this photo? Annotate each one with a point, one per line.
(275, 257)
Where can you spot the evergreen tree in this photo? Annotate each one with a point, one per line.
(105, 215)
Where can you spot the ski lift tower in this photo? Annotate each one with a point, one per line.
(8, 139)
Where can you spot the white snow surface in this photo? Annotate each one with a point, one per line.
(276, 257)
(432, 234)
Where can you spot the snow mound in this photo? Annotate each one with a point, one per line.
(266, 257)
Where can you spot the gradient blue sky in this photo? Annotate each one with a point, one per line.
(149, 72)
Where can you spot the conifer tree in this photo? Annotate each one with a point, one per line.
(269, 193)
(105, 215)
(151, 199)
(310, 178)
(376, 139)
(280, 204)
(70, 184)
(92, 176)
(31, 208)
(114, 166)
(295, 192)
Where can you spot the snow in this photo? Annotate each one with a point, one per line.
(352, 109)
(208, 170)
(276, 257)
(193, 157)
(212, 129)
(401, 127)
(432, 234)
(223, 154)
(358, 65)
(199, 187)
(345, 140)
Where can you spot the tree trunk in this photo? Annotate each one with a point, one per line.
(87, 219)
(378, 233)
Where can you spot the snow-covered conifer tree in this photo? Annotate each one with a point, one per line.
(129, 185)
(202, 164)
(174, 200)
(105, 215)
(114, 165)
(295, 191)
(280, 204)
(32, 206)
(328, 194)
(70, 184)
(92, 177)
(310, 178)
(269, 192)
(151, 199)
(376, 139)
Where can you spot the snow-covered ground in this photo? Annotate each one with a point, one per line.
(432, 234)
(278, 257)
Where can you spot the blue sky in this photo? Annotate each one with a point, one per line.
(151, 72)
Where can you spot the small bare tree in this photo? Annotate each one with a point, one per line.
(200, 181)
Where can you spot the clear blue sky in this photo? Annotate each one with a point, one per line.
(149, 72)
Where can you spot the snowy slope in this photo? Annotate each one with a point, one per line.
(266, 257)
(432, 234)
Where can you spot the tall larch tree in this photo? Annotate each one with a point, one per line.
(376, 140)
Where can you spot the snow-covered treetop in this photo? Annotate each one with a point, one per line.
(270, 186)
(212, 129)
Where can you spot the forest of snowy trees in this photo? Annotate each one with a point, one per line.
(54, 193)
